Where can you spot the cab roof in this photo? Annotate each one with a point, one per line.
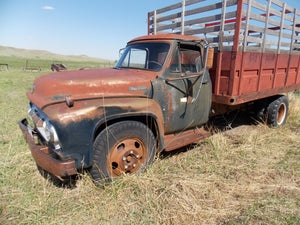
(165, 37)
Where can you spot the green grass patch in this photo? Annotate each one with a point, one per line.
(17, 63)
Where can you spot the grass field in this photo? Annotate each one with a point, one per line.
(247, 175)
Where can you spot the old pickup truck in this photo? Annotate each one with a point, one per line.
(195, 63)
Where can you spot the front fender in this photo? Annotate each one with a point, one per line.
(131, 107)
(76, 126)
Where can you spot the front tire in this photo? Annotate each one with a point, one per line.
(126, 147)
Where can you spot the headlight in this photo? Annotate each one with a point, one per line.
(49, 133)
(43, 125)
(53, 137)
(46, 130)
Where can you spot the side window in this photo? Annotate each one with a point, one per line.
(186, 60)
(190, 60)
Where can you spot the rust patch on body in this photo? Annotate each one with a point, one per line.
(90, 84)
(178, 140)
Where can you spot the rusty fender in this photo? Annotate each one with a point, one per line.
(78, 126)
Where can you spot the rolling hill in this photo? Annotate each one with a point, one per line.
(43, 54)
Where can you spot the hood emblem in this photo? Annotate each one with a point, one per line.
(141, 88)
(69, 101)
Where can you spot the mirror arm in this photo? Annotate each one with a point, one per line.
(188, 91)
(184, 77)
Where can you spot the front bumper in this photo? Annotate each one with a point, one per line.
(43, 156)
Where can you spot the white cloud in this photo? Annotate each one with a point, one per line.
(46, 7)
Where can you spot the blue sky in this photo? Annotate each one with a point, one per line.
(97, 28)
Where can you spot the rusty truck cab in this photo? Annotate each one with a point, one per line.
(114, 120)
(181, 86)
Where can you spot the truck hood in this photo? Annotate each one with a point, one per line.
(88, 84)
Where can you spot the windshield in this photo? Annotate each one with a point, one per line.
(148, 56)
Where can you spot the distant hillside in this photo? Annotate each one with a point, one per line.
(42, 54)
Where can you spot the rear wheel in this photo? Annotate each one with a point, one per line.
(278, 111)
(273, 110)
(126, 147)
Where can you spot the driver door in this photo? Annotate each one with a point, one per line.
(186, 106)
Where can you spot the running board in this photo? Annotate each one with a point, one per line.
(178, 140)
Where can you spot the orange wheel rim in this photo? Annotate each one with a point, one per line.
(281, 114)
(126, 156)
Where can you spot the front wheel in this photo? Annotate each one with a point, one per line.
(126, 147)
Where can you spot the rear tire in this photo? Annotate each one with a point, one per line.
(126, 147)
(260, 110)
(273, 110)
(277, 111)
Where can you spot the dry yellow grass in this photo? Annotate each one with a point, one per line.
(247, 175)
